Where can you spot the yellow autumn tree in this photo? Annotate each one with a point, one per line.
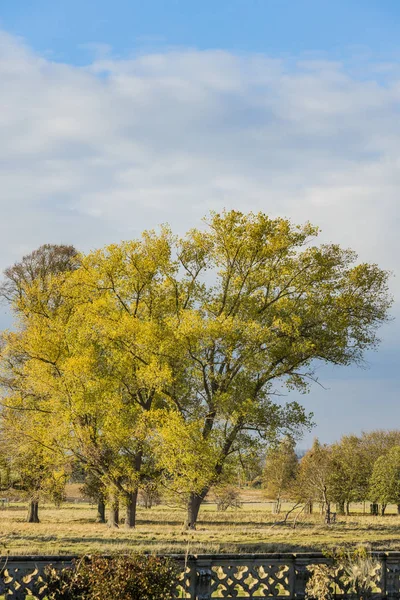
(258, 304)
(205, 329)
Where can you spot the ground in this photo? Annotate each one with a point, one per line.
(71, 529)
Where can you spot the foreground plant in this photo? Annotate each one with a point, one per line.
(354, 572)
(135, 577)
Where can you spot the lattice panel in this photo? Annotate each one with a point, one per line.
(19, 582)
(207, 577)
(183, 589)
(250, 581)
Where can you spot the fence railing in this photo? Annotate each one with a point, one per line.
(205, 577)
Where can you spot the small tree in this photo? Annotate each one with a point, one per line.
(280, 470)
(314, 476)
(227, 496)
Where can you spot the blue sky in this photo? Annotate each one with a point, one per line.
(276, 27)
(118, 116)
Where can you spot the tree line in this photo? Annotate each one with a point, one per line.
(363, 468)
(161, 360)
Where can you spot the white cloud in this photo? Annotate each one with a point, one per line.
(92, 155)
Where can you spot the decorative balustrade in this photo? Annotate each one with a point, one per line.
(205, 577)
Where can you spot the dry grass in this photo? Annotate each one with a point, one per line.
(71, 530)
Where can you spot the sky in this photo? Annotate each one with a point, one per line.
(119, 116)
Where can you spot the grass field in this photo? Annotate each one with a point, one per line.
(71, 530)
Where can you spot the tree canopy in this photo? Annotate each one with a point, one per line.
(147, 343)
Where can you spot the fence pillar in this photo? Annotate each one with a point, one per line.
(292, 577)
(383, 576)
(301, 576)
(392, 574)
(203, 580)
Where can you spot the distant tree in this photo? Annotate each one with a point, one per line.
(350, 472)
(378, 442)
(280, 470)
(314, 476)
(250, 467)
(385, 479)
(227, 496)
(149, 494)
(94, 489)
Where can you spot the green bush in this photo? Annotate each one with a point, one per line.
(135, 577)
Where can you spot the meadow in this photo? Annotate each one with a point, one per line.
(71, 529)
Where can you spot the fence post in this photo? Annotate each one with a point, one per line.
(383, 579)
(392, 575)
(301, 576)
(203, 579)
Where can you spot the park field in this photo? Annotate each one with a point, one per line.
(71, 529)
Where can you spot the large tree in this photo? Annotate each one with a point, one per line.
(30, 287)
(206, 329)
(93, 361)
(257, 305)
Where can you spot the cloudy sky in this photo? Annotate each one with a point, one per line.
(118, 116)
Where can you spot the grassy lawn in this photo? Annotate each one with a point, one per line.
(71, 530)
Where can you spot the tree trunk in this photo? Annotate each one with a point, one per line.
(195, 501)
(398, 509)
(347, 508)
(33, 512)
(131, 502)
(383, 508)
(328, 513)
(308, 507)
(101, 512)
(113, 515)
(131, 498)
(340, 507)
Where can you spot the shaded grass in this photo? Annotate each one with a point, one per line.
(71, 530)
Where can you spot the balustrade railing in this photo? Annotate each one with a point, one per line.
(205, 577)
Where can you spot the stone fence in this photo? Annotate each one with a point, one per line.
(210, 576)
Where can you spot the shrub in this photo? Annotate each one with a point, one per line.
(319, 585)
(70, 583)
(356, 572)
(135, 577)
(227, 496)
